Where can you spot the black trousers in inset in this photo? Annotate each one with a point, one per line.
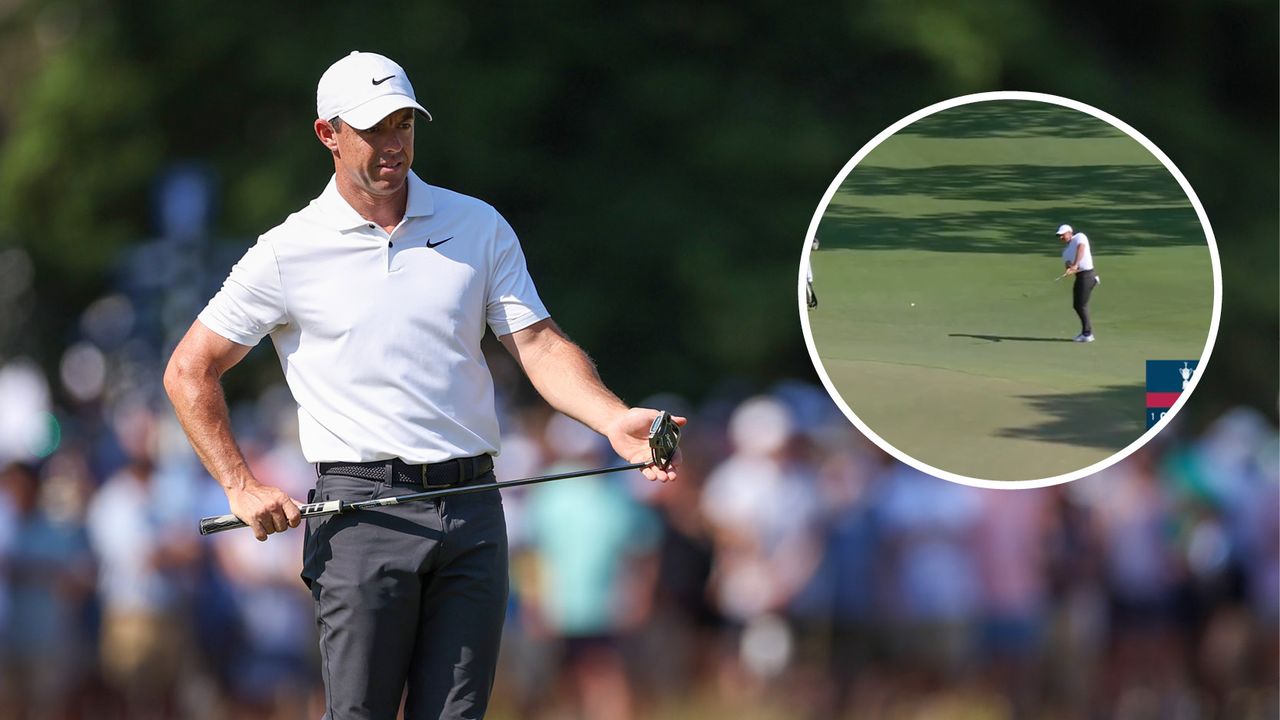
(1086, 281)
(411, 597)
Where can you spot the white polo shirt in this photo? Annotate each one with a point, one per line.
(1069, 253)
(379, 335)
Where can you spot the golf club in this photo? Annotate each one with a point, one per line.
(1041, 289)
(664, 439)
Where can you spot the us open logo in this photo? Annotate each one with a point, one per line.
(1166, 381)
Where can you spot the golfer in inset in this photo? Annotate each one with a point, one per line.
(810, 295)
(1078, 258)
(376, 297)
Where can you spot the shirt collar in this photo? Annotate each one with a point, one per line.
(344, 217)
(421, 202)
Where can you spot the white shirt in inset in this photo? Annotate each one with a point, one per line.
(379, 335)
(1079, 240)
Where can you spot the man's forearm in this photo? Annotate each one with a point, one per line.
(202, 409)
(567, 379)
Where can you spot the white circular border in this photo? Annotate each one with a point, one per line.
(1033, 97)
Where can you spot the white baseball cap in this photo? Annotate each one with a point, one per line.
(362, 88)
(1064, 229)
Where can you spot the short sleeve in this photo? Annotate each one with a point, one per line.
(251, 302)
(512, 302)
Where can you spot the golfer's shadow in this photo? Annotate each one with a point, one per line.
(1014, 338)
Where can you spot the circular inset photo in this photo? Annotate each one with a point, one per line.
(1010, 290)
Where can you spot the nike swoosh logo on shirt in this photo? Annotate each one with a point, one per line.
(431, 244)
(379, 82)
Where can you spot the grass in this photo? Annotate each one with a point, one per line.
(977, 377)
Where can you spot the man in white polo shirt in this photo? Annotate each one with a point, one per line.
(376, 297)
(1078, 258)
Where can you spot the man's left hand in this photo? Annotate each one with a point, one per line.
(629, 435)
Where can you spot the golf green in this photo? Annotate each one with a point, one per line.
(940, 322)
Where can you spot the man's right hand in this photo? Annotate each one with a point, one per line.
(264, 509)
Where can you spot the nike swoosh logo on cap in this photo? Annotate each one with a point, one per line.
(431, 244)
(379, 82)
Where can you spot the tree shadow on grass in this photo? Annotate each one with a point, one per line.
(1011, 118)
(1109, 418)
(1082, 184)
(1113, 232)
(1002, 338)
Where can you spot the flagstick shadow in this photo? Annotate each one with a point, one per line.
(1014, 338)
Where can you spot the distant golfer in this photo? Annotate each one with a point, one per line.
(1078, 257)
(811, 297)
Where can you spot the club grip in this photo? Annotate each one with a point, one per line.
(218, 523)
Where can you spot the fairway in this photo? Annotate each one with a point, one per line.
(956, 214)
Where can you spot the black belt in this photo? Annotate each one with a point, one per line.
(458, 471)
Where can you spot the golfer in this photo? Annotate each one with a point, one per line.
(1078, 258)
(811, 297)
(376, 296)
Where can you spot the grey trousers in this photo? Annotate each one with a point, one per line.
(1086, 281)
(407, 598)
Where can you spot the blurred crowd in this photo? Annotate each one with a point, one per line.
(794, 571)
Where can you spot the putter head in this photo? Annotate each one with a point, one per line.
(664, 438)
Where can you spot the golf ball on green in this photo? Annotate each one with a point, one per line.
(913, 304)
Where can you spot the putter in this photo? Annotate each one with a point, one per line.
(664, 439)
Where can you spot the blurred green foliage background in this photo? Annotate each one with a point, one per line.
(660, 161)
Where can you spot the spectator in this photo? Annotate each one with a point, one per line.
(275, 668)
(8, 529)
(143, 636)
(761, 505)
(50, 574)
(596, 567)
(836, 610)
(678, 642)
(1011, 546)
(934, 591)
(1137, 522)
